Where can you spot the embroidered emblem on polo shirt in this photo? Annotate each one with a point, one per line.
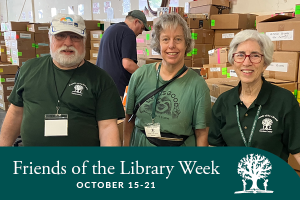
(267, 123)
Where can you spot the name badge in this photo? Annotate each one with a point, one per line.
(153, 130)
(56, 125)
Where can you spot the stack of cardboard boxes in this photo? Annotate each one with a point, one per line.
(284, 31)
(7, 79)
(41, 41)
(94, 32)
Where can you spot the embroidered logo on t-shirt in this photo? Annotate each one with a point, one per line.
(78, 88)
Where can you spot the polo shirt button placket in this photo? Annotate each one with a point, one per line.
(246, 115)
(245, 127)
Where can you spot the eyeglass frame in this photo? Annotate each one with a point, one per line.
(249, 58)
(68, 34)
(142, 24)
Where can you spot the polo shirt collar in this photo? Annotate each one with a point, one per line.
(262, 97)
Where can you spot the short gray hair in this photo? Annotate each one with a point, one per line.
(171, 20)
(265, 43)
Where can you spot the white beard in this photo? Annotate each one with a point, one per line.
(67, 60)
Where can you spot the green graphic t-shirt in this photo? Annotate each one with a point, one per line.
(89, 96)
(182, 106)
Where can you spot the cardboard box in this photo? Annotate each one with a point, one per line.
(2, 36)
(150, 53)
(2, 42)
(291, 86)
(22, 44)
(19, 61)
(17, 26)
(141, 52)
(144, 61)
(4, 105)
(7, 78)
(93, 61)
(43, 46)
(218, 56)
(141, 40)
(9, 60)
(188, 63)
(285, 66)
(22, 53)
(220, 71)
(93, 54)
(283, 30)
(202, 36)
(96, 35)
(42, 53)
(95, 44)
(224, 37)
(3, 58)
(209, 2)
(196, 23)
(208, 9)
(8, 69)
(199, 62)
(148, 37)
(7, 88)
(217, 86)
(233, 21)
(260, 18)
(200, 51)
(38, 27)
(199, 15)
(21, 35)
(92, 24)
(293, 162)
(88, 39)
(87, 54)
(41, 38)
(4, 98)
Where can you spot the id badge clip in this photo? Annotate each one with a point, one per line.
(56, 125)
(152, 130)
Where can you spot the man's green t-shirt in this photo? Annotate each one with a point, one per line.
(89, 96)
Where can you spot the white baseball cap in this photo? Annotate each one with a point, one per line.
(66, 22)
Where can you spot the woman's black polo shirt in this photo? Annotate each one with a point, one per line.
(278, 126)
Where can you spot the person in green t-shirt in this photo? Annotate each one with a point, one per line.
(179, 114)
(255, 113)
(63, 100)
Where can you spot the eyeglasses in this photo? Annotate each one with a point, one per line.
(143, 27)
(73, 36)
(255, 58)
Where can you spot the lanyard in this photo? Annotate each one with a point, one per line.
(59, 97)
(157, 83)
(247, 144)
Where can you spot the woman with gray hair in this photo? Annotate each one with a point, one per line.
(255, 113)
(179, 113)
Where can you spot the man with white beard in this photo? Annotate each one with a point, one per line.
(63, 100)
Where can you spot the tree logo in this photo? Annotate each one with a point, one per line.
(254, 167)
(267, 123)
